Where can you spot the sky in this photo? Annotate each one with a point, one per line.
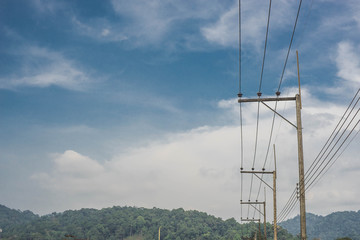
(134, 103)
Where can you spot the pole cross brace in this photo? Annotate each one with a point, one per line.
(262, 100)
(250, 219)
(262, 172)
(252, 204)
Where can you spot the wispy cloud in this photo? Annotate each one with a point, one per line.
(254, 19)
(47, 6)
(41, 67)
(152, 23)
(100, 30)
(348, 63)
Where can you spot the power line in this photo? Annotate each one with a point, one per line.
(334, 153)
(240, 112)
(292, 201)
(267, 151)
(356, 134)
(240, 48)
(287, 56)
(260, 84)
(305, 24)
(276, 103)
(306, 177)
(317, 159)
(320, 173)
(288, 209)
(259, 94)
(265, 45)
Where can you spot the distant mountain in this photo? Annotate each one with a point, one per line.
(330, 227)
(127, 223)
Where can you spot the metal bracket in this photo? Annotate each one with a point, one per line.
(255, 173)
(279, 115)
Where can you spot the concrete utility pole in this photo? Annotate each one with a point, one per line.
(264, 214)
(274, 195)
(301, 170)
(254, 220)
(273, 188)
(298, 127)
(159, 232)
(301, 158)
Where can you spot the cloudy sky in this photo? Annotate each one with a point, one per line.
(133, 103)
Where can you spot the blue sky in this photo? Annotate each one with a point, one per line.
(133, 102)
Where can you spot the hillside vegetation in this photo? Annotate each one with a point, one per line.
(333, 226)
(128, 223)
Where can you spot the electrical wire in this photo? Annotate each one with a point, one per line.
(267, 151)
(240, 112)
(320, 173)
(291, 41)
(307, 186)
(317, 159)
(265, 45)
(337, 158)
(305, 24)
(239, 47)
(288, 203)
(274, 115)
(259, 94)
(260, 84)
(307, 180)
(293, 201)
(291, 209)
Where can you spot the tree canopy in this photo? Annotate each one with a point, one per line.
(129, 223)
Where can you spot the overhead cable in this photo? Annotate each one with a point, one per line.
(288, 52)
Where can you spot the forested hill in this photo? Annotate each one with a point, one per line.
(128, 223)
(330, 227)
(10, 217)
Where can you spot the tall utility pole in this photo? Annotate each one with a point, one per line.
(301, 158)
(298, 127)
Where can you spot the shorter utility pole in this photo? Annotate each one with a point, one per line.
(273, 188)
(274, 195)
(264, 214)
(253, 220)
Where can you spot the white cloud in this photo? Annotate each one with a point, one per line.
(145, 22)
(100, 29)
(73, 163)
(223, 31)
(105, 32)
(348, 63)
(199, 169)
(41, 67)
(254, 19)
(47, 6)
